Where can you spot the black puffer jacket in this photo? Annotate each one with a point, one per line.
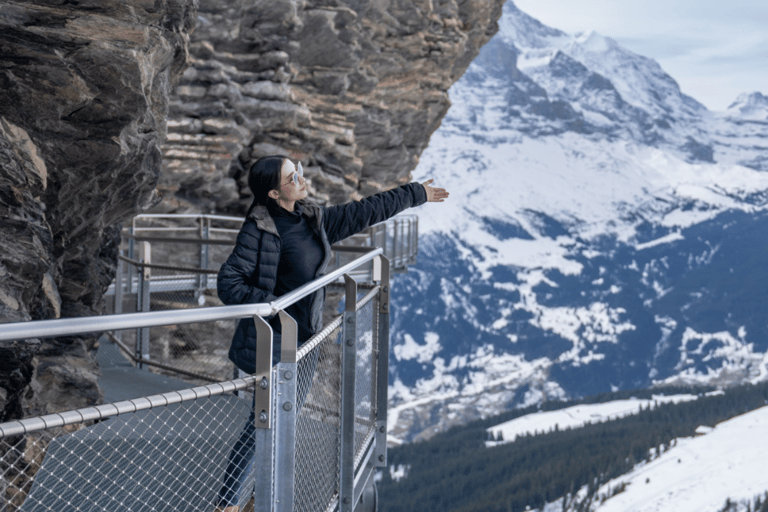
(250, 273)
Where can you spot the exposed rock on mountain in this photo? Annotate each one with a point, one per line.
(83, 101)
(353, 89)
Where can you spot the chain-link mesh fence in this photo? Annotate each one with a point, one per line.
(194, 449)
(365, 371)
(175, 451)
(317, 424)
(165, 452)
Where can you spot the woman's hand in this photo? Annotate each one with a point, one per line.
(435, 195)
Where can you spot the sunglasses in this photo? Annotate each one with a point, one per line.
(298, 174)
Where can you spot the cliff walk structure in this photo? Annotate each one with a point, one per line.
(169, 450)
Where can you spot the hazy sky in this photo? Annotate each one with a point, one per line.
(715, 49)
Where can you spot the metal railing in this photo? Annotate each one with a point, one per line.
(211, 237)
(315, 421)
(169, 262)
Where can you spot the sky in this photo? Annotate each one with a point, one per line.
(715, 49)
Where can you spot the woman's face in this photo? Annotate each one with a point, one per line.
(292, 185)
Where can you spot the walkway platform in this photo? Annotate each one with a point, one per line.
(120, 380)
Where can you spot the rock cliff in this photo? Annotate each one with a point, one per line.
(84, 91)
(352, 88)
(105, 102)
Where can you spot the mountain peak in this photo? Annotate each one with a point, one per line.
(595, 43)
(751, 106)
(519, 28)
(640, 81)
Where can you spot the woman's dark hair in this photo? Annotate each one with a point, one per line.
(264, 175)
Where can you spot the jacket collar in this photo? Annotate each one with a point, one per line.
(263, 219)
(265, 222)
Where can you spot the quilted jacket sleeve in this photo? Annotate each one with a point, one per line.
(248, 275)
(347, 219)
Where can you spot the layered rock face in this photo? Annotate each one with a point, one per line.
(352, 88)
(83, 107)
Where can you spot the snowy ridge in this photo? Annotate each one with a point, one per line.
(594, 187)
(594, 239)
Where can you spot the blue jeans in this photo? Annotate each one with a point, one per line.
(241, 458)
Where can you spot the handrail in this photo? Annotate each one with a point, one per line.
(94, 324)
(196, 241)
(350, 351)
(188, 216)
(99, 412)
(302, 291)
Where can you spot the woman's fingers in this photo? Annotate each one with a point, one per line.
(434, 195)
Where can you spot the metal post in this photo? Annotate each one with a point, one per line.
(131, 254)
(264, 410)
(143, 303)
(286, 411)
(202, 279)
(263, 398)
(394, 243)
(118, 306)
(381, 274)
(415, 239)
(403, 245)
(264, 463)
(348, 360)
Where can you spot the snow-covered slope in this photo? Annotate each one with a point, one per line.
(698, 474)
(576, 417)
(604, 231)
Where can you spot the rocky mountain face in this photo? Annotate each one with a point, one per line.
(353, 89)
(604, 232)
(83, 99)
(103, 103)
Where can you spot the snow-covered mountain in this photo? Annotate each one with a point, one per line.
(604, 231)
(753, 106)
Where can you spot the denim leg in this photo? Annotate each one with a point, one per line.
(240, 464)
(306, 370)
(241, 458)
(242, 455)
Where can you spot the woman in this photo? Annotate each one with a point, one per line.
(285, 242)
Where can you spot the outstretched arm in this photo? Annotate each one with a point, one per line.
(345, 220)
